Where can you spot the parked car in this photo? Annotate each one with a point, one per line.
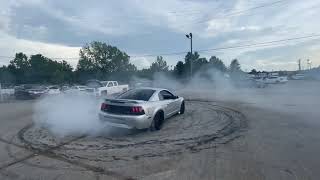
(298, 77)
(273, 80)
(282, 79)
(141, 108)
(53, 90)
(250, 83)
(65, 88)
(29, 91)
(103, 88)
(6, 92)
(75, 89)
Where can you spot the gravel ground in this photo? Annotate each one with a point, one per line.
(266, 133)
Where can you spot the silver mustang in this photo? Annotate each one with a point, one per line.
(141, 108)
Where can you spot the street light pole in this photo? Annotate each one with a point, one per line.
(189, 36)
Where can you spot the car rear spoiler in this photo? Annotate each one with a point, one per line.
(122, 101)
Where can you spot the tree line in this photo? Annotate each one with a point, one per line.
(101, 61)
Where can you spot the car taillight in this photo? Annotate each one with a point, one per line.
(137, 110)
(104, 106)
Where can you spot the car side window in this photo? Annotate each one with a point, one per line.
(166, 95)
(110, 84)
(160, 96)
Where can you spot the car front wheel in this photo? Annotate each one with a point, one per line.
(182, 108)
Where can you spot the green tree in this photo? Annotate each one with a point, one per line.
(99, 60)
(159, 65)
(235, 71)
(198, 64)
(190, 57)
(20, 61)
(234, 66)
(39, 69)
(19, 67)
(179, 69)
(45, 70)
(217, 64)
(6, 76)
(64, 73)
(253, 71)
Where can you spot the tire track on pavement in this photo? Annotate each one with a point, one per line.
(236, 123)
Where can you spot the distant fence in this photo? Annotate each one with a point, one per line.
(5, 93)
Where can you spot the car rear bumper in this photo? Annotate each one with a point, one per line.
(126, 121)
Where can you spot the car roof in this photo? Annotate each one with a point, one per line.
(155, 93)
(153, 88)
(107, 81)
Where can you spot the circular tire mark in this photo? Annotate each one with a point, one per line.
(206, 126)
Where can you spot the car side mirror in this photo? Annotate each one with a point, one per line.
(176, 97)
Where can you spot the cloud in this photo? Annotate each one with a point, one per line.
(11, 45)
(141, 62)
(156, 27)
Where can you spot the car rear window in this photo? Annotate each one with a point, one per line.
(137, 94)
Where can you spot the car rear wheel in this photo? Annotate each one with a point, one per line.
(182, 108)
(157, 122)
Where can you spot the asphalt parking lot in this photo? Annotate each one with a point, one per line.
(268, 133)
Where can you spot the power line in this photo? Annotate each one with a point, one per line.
(164, 54)
(256, 7)
(192, 12)
(231, 13)
(249, 45)
(239, 12)
(184, 13)
(261, 44)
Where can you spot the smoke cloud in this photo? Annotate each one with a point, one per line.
(67, 114)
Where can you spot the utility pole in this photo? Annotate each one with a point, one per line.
(189, 36)
(309, 64)
(0, 93)
(299, 64)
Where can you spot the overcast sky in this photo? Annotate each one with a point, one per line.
(58, 28)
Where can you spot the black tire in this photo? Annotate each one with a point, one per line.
(157, 122)
(182, 108)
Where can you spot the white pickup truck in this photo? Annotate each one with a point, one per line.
(273, 80)
(103, 88)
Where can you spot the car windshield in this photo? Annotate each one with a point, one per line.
(94, 84)
(104, 83)
(34, 87)
(137, 94)
(38, 89)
